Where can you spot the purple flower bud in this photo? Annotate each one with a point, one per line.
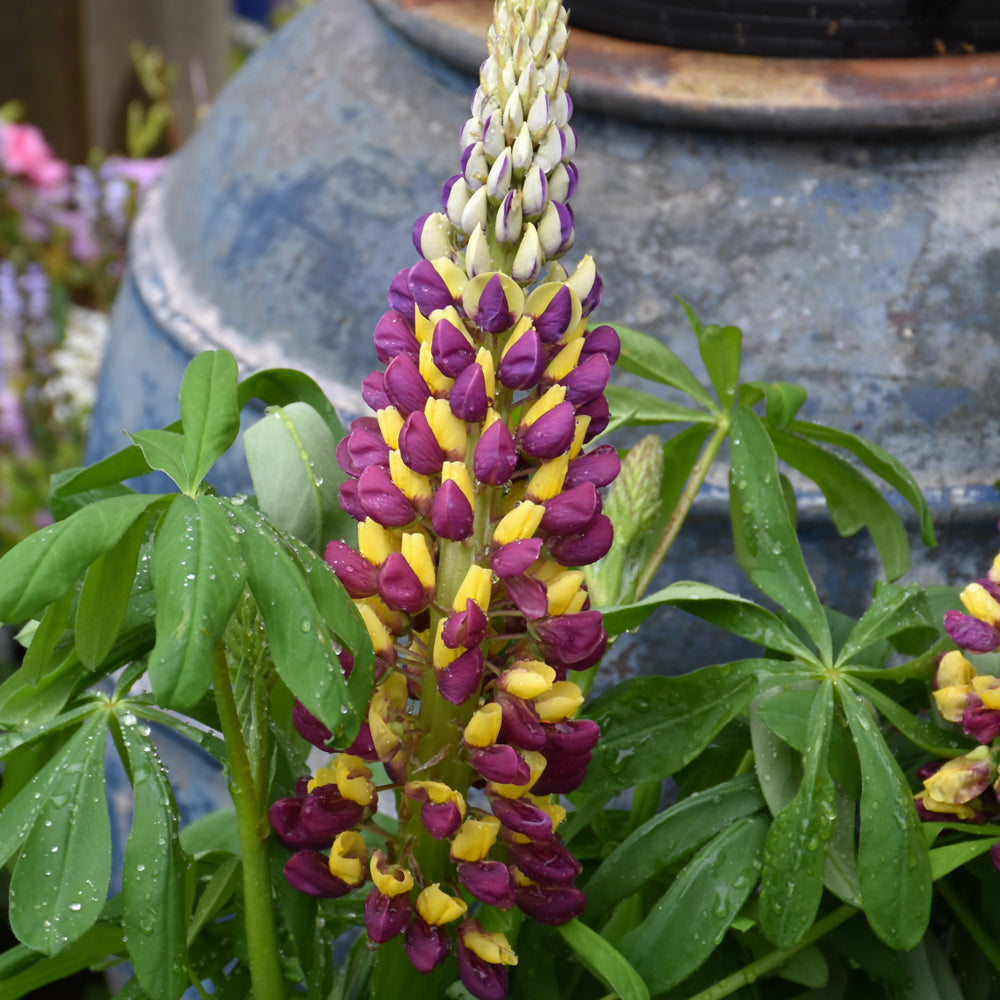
(567, 640)
(520, 816)
(451, 513)
(350, 501)
(466, 628)
(493, 312)
(440, 819)
(979, 722)
(428, 288)
(468, 397)
(460, 680)
(418, 447)
(970, 633)
(529, 595)
(588, 380)
(990, 587)
(450, 349)
(552, 433)
(426, 946)
(400, 296)
(326, 813)
(599, 467)
(404, 384)
(309, 727)
(555, 228)
(386, 916)
(602, 340)
(548, 862)
(495, 458)
(362, 746)
(365, 444)
(592, 299)
(585, 546)
(572, 737)
(522, 366)
(553, 322)
(515, 557)
(400, 587)
(600, 416)
(285, 817)
(571, 509)
(446, 190)
(344, 460)
(484, 980)
(553, 905)
(382, 500)
(502, 763)
(393, 336)
(373, 391)
(562, 774)
(488, 881)
(521, 725)
(354, 571)
(309, 872)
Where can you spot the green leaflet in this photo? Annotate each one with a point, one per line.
(210, 413)
(604, 961)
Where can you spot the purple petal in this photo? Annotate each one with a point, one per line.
(571, 509)
(373, 391)
(404, 384)
(493, 312)
(426, 946)
(460, 680)
(567, 639)
(600, 416)
(554, 905)
(468, 397)
(400, 297)
(400, 587)
(592, 299)
(350, 501)
(285, 817)
(451, 513)
(418, 447)
(450, 349)
(353, 570)
(588, 380)
(428, 288)
(522, 817)
(515, 557)
(583, 547)
(393, 336)
(521, 725)
(446, 190)
(488, 881)
(386, 916)
(602, 340)
(326, 813)
(495, 458)
(440, 819)
(365, 445)
(553, 322)
(309, 872)
(600, 467)
(417, 232)
(573, 737)
(344, 460)
(309, 727)
(970, 633)
(548, 862)
(562, 774)
(552, 433)
(483, 980)
(465, 628)
(979, 722)
(382, 500)
(522, 366)
(502, 763)
(529, 595)
(362, 746)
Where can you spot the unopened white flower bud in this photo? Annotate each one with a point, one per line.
(477, 254)
(523, 150)
(528, 259)
(498, 182)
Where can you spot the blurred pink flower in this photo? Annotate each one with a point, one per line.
(13, 428)
(142, 173)
(23, 150)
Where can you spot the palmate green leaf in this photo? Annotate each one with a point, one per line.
(302, 646)
(105, 594)
(719, 347)
(644, 355)
(729, 611)
(892, 856)
(291, 454)
(765, 540)
(164, 452)
(154, 912)
(40, 569)
(795, 850)
(880, 462)
(10, 741)
(198, 577)
(669, 837)
(635, 408)
(699, 907)
(778, 766)
(210, 412)
(893, 610)
(783, 400)
(927, 736)
(61, 877)
(603, 961)
(653, 726)
(852, 499)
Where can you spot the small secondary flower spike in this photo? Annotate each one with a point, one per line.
(476, 501)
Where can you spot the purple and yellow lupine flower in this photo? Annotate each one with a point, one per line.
(959, 789)
(476, 504)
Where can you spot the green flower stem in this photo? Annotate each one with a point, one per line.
(752, 972)
(968, 920)
(680, 512)
(262, 936)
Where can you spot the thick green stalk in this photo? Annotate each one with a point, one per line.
(251, 821)
(687, 498)
(752, 972)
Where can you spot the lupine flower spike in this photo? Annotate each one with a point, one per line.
(966, 788)
(476, 503)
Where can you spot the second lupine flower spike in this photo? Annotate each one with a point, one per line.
(476, 501)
